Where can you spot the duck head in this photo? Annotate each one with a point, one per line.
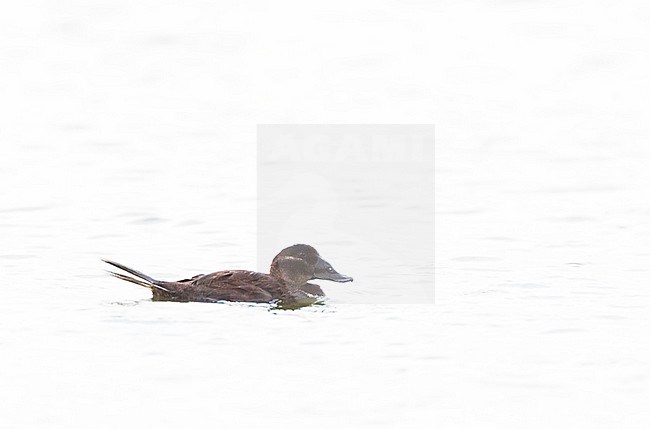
(300, 263)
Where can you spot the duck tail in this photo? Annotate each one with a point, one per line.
(141, 280)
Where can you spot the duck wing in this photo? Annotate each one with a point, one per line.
(234, 285)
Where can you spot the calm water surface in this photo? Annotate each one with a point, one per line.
(531, 304)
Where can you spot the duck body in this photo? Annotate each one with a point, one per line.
(287, 282)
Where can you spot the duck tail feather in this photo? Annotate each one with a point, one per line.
(137, 281)
(130, 279)
(142, 280)
(131, 271)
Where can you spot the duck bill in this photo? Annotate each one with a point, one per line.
(324, 271)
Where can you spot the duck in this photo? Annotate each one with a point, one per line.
(287, 284)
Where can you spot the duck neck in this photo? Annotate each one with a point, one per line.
(292, 282)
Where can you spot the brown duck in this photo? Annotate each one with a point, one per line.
(287, 283)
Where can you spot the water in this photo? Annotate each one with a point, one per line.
(128, 132)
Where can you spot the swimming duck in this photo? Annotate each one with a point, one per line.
(286, 283)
